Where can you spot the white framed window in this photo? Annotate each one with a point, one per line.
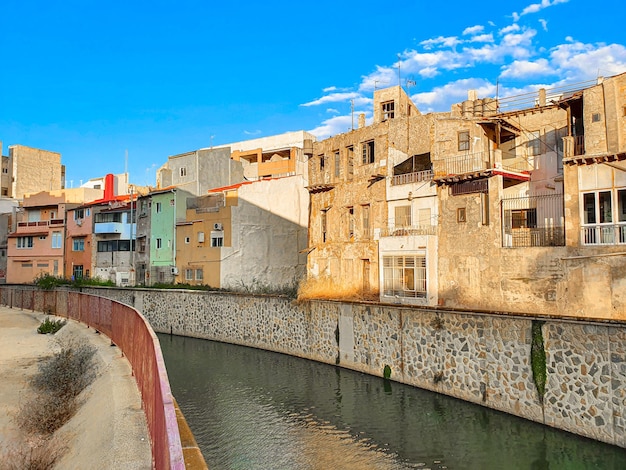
(387, 109)
(24, 242)
(159, 208)
(188, 274)
(199, 275)
(404, 276)
(217, 239)
(57, 241)
(187, 240)
(604, 217)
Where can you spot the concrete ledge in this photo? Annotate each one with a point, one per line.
(191, 452)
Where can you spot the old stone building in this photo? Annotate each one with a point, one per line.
(348, 176)
(30, 170)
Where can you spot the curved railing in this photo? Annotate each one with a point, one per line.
(130, 331)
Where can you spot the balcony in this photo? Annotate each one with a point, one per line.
(408, 178)
(408, 231)
(42, 223)
(108, 227)
(461, 164)
(603, 234)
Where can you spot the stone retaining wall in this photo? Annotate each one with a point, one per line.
(481, 358)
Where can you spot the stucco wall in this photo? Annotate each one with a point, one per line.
(480, 358)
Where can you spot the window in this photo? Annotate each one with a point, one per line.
(337, 163)
(5, 191)
(77, 272)
(114, 245)
(524, 218)
(57, 242)
(78, 244)
(534, 143)
(172, 202)
(368, 152)
(404, 276)
(461, 216)
(199, 275)
(350, 222)
(403, 216)
(217, 239)
(604, 217)
(79, 214)
(322, 163)
(5, 170)
(365, 219)
(159, 243)
(350, 161)
(388, 110)
(159, 207)
(183, 172)
(187, 240)
(423, 217)
(24, 242)
(200, 237)
(188, 274)
(323, 224)
(595, 117)
(108, 217)
(464, 140)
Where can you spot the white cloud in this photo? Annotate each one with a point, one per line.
(535, 7)
(483, 38)
(441, 98)
(450, 41)
(336, 98)
(577, 61)
(332, 111)
(335, 125)
(473, 30)
(256, 132)
(329, 89)
(544, 24)
(524, 69)
(510, 29)
(429, 72)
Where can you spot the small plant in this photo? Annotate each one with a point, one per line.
(57, 384)
(438, 377)
(49, 282)
(437, 323)
(387, 371)
(50, 326)
(538, 359)
(31, 454)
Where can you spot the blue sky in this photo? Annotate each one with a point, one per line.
(93, 80)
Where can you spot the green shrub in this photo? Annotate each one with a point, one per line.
(538, 359)
(50, 326)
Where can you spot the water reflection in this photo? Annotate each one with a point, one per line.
(253, 409)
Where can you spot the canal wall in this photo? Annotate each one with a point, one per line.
(478, 357)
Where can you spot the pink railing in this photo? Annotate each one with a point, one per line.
(130, 331)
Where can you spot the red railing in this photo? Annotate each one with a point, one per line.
(131, 332)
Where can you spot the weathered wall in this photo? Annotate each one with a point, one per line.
(480, 358)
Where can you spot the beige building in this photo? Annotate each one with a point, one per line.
(348, 178)
(30, 170)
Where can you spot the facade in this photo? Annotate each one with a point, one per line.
(348, 179)
(198, 171)
(246, 236)
(37, 246)
(158, 213)
(31, 170)
(78, 243)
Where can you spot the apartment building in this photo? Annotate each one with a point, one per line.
(348, 179)
(158, 213)
(29, 170)
(38, 244)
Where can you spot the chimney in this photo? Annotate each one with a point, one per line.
(109, 187)
(361, 120)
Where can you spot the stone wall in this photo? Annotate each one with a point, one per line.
(484, 359)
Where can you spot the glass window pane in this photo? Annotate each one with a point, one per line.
(606, 215)
(589, 206)
(621, 205)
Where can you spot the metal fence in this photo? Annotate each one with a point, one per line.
(131, 332)
(603, 234)
(533, 221)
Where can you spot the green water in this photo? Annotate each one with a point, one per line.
(253, 409)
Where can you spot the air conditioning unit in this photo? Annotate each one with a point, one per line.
(218, 226)
(79, 222)
(174, 270)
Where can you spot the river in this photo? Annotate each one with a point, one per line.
(253, 409)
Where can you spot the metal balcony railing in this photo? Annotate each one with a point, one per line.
(415, 177)
(461, 164)
(403, 231)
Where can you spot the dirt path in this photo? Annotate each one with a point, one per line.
(109, 431)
